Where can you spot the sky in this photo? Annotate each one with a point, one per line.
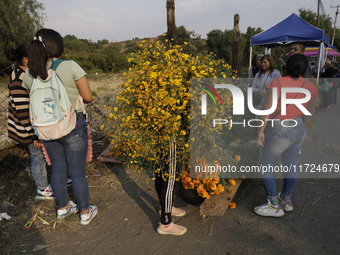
(120, 20)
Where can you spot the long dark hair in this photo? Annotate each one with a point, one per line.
(271, 66)
(17, 54)
(47, 44)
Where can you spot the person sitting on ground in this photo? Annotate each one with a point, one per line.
(19, 125)
(284, 141)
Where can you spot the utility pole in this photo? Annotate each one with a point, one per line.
(336, 15)
(170, 9)
(236, 43)
(318, 11)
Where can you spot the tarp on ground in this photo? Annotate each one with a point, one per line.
(291, 29)
(107, 156)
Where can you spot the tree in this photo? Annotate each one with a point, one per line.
(325, 23)
(251, 31)
(221, 43)
(20, 20)
(190, 41)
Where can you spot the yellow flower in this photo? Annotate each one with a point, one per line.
(237, 158)
(232, 205)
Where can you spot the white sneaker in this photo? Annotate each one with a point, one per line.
(286, 206)
(269, 210)
(73, 208)
(68, 182)
(86, 218)
(171, 229)
(46, 194)
(177, 212)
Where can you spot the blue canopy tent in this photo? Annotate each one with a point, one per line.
(289, 31)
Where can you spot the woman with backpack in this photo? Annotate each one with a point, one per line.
(69, 151)
(19, 125)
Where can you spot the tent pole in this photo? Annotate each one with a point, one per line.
(319, 54)
(250, 55)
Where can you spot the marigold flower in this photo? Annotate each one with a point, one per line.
(187, 179)
(232, 182)
(232, 205)
(237, 158)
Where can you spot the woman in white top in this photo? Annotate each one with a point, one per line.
(265, 76)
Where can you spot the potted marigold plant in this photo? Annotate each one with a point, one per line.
(202, 188)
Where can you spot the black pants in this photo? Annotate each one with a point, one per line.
(166, 190)
(332, 95)
(325, 99)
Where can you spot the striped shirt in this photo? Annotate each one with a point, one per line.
(19, 125)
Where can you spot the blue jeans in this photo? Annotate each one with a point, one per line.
(284, 142)
(38, 167)
(69, 152)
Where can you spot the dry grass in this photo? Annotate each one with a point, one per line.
(104, 84)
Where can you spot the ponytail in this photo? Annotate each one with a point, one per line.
(17, 54)
(47, 44)
(38, 57)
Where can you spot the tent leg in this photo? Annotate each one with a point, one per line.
(250, 55)
(321, 50)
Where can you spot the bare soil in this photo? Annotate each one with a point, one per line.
(128, 206)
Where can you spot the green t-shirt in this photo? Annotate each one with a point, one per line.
(69, 72)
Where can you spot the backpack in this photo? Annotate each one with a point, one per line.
(51, 112)
(325, 86)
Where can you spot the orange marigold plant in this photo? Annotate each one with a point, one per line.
(205, 187)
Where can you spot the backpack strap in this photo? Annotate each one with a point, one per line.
(56, 63)
(81, 101)
(54, 66)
